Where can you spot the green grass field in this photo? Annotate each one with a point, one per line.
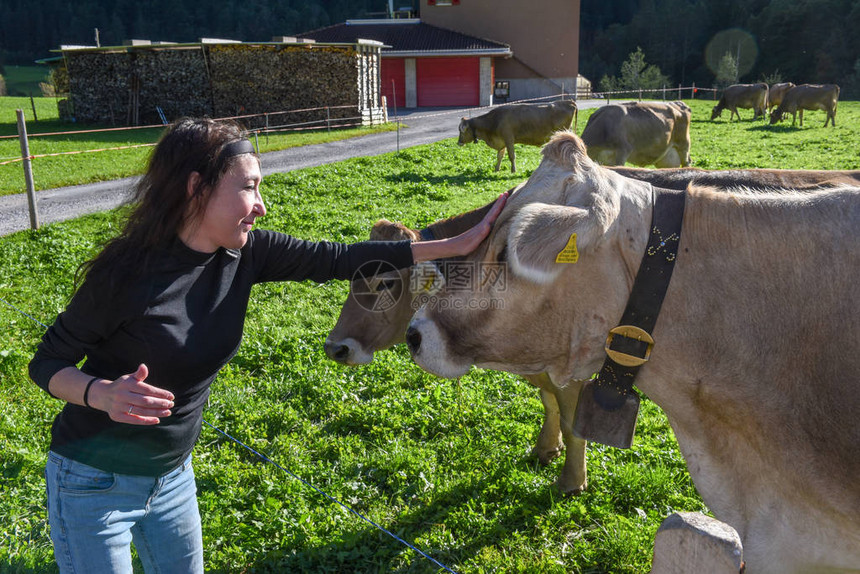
(444, 464)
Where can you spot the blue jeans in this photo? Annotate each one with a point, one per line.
(95, 515)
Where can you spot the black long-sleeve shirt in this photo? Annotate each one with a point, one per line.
(184, 320)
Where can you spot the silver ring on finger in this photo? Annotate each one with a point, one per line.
(129, 408)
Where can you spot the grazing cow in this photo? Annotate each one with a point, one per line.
(750, 363)
(530, 124)
(742, 96)
(776, 93)
(808, 97)
(364, 327)
(642, 133)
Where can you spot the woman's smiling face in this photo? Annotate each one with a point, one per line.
(233, 206)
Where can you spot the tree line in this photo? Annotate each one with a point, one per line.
(688, 41)
(29, 31)
(803, 41)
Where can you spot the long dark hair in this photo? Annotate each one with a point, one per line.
(161, 204)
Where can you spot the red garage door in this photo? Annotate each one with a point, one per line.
(394, 70)
(448, 81)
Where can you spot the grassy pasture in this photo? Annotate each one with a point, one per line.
(444, 464)
(116, 163)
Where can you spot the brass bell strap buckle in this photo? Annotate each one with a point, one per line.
(621, 353)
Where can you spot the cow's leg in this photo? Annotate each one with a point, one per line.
(621, 154)
(499, 155)
(574, 477)
(800, 112)
(549, 444)
(512, 155)
(670, 159)
(831, 117)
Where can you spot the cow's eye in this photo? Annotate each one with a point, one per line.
(503, 255)
(386, 285)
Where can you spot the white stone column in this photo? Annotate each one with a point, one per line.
(486, 78)
(411, 82)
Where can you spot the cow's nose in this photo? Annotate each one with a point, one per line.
(413, 340)
(336, 351)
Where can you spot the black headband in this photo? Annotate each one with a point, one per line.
(237, 147)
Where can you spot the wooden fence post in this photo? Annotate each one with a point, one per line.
(28, 169)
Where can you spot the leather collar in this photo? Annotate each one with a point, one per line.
(608, 404)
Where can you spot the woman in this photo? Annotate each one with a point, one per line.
(159, 312)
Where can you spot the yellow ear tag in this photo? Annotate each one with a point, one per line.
(569, 254)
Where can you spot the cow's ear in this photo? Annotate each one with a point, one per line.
(544, 238)
(426, 279)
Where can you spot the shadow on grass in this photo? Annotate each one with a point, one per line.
(371, 550)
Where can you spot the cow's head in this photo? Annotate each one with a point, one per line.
(551, 279)
(467, 132)
(776, 116)
(379, 306)
(716, 112)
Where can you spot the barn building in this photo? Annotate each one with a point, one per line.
(424, 65)
(474, 52)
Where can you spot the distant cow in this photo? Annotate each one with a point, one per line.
(642, 133)
(742, 96)
(530, 124)
(762, 402)
(808, 97)
(776, 93)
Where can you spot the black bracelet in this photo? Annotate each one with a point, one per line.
(87, 391)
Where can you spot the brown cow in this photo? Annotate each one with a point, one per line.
(365, 327)
(642, 133)
(742, 96)
(762, 402)
(808, 97)
(530, 124)
(776, 93)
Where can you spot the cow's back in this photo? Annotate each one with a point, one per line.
(809, 95)
(534, 124)
(639, 132)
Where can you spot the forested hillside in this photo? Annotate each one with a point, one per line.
(812, 41)
(797, 40)
(29, 30)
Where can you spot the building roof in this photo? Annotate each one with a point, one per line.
(409, 37)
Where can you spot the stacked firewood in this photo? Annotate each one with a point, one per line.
(144, 86)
